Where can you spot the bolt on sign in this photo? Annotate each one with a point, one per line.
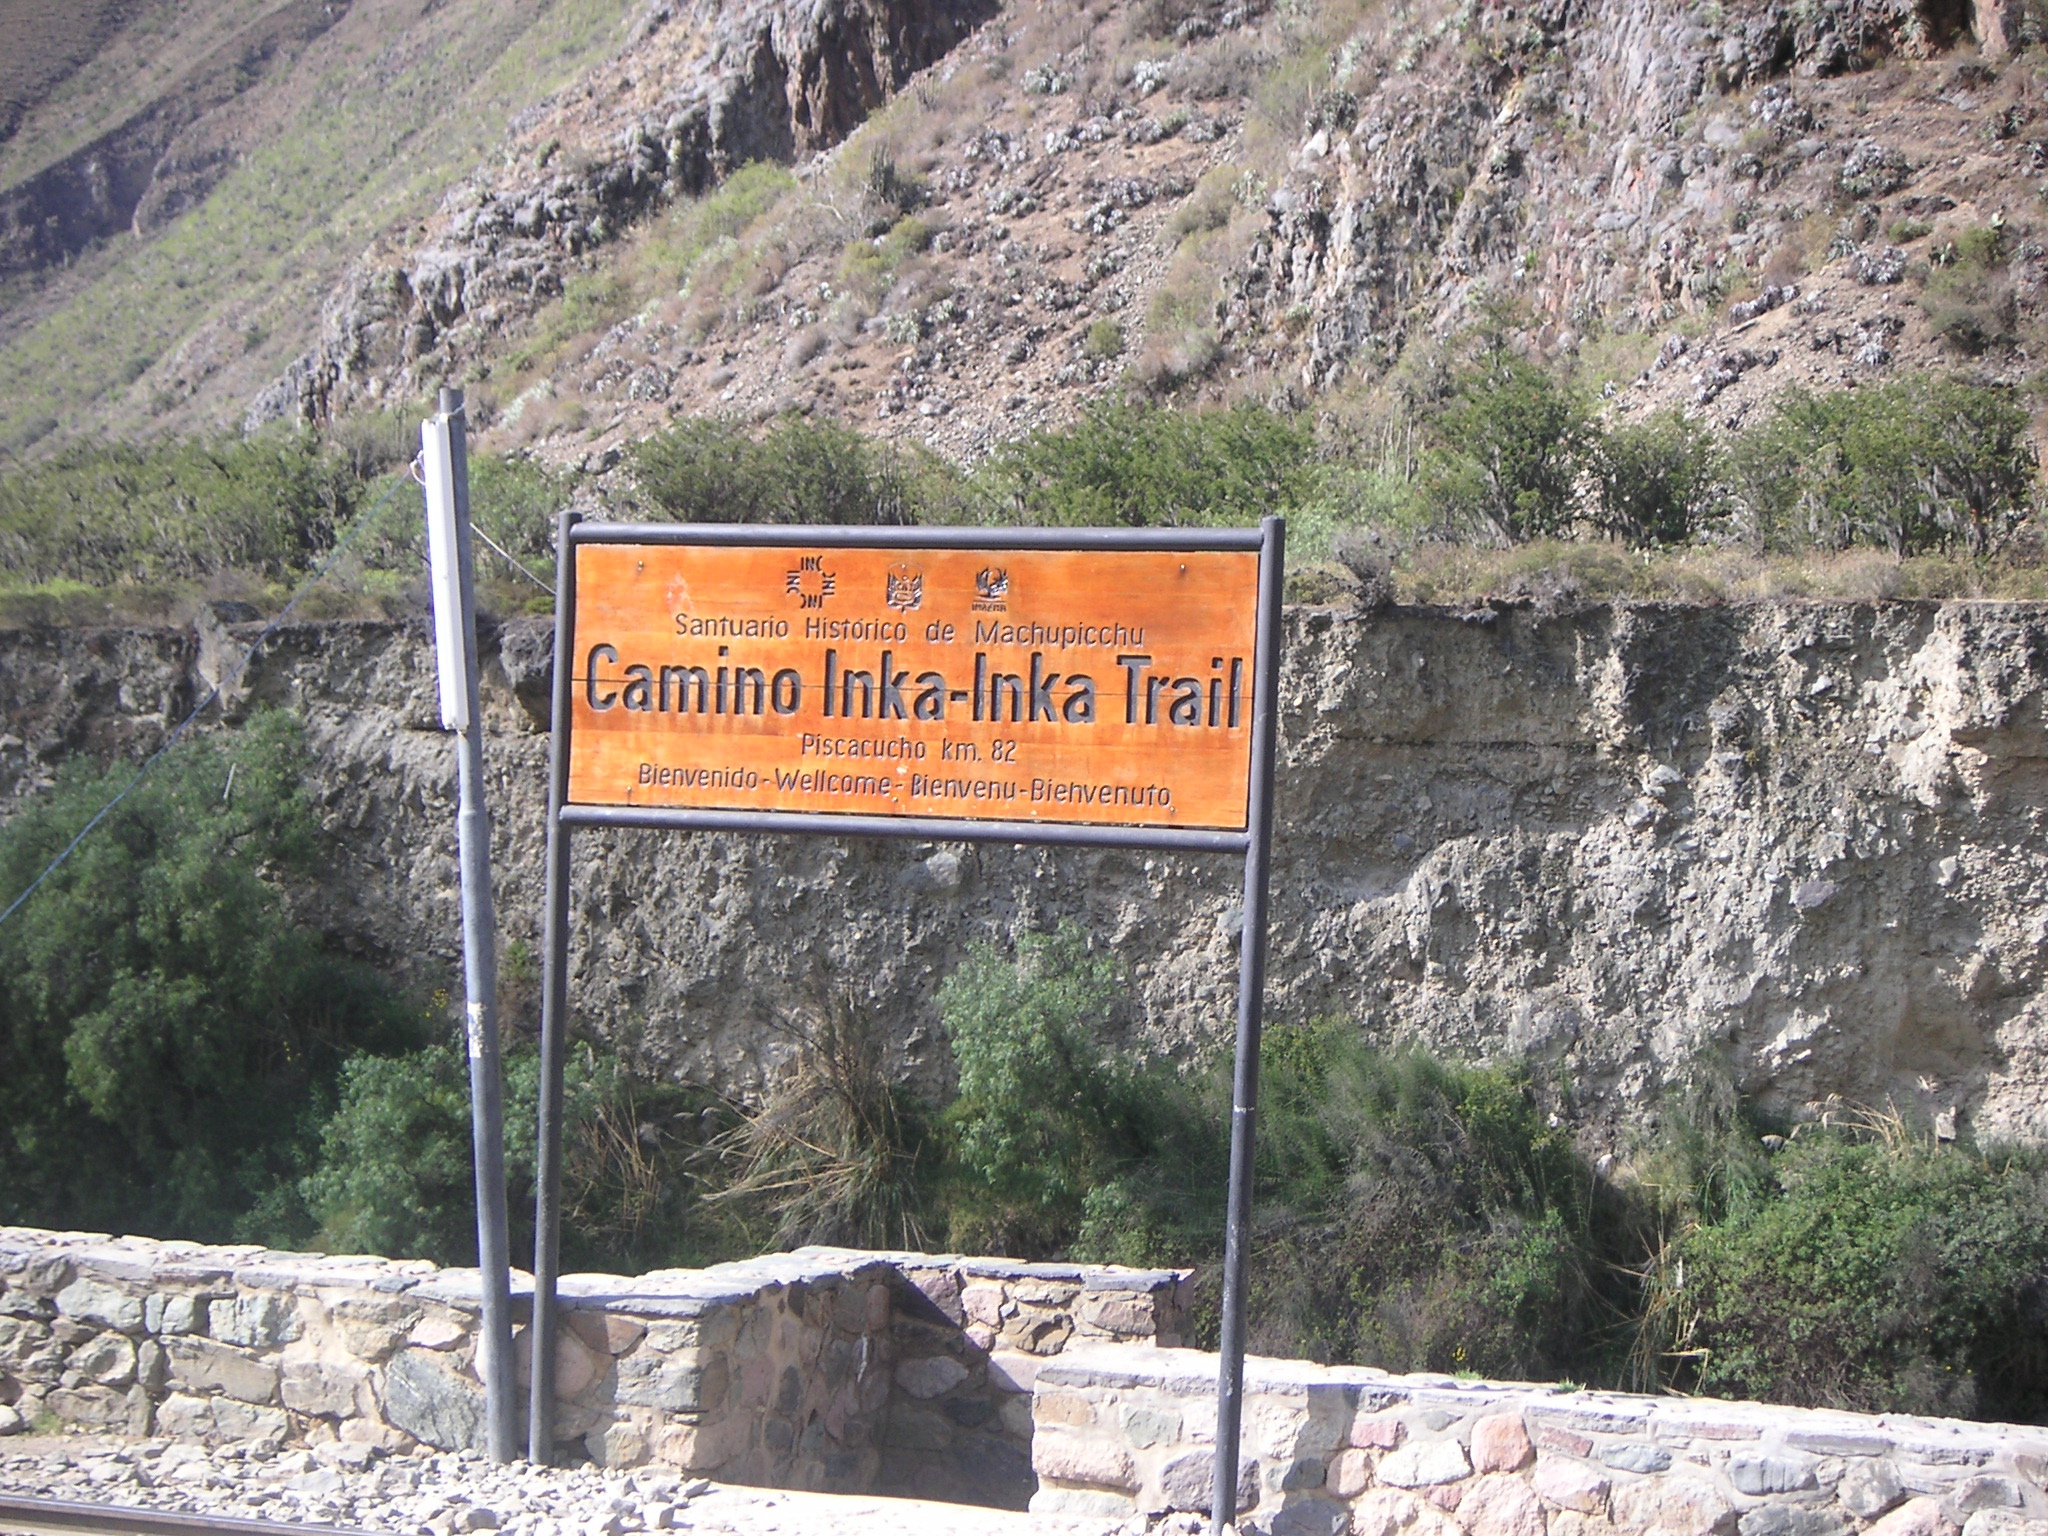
(1096, 686)
(1092, 687)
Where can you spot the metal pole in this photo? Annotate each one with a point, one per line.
(554, 1010)
(447, 458)
(1251, 988)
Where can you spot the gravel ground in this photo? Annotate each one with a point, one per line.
(433, 1494)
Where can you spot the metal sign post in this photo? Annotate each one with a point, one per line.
(1095, 688)
(452, 576)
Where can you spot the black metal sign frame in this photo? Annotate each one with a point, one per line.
(1255, 843)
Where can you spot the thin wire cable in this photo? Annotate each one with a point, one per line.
(418, 470)
(522, 570)
(233, 676)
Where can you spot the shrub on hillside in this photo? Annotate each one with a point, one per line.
(118, 511)
(1917, 464)
(1878, 1276)
(1658, 479)
(1056, 1141)
(169, 1033)
(1509, 444)
(707, 470)
(1139, 465)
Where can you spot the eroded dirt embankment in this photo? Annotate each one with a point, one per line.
(1798, 839)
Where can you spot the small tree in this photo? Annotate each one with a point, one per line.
(1510, 443)
(169, 1033)
(1658, 479)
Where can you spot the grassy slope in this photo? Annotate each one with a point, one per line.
(125, 55)
(364, 131)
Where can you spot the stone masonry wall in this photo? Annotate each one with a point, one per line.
(1336, 1449)
(824, 1369)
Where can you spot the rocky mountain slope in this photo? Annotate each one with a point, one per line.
(999, 211)
(1791, 844)
(1698, 206)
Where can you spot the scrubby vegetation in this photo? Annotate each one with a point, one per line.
(211, 1070)
(1471, 472)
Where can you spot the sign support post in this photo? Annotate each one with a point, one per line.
(1244, 1084)
(554, 1016)
(452, 574)
(873, 682)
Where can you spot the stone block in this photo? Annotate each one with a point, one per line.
(327, 1388)
(1072, 1458)
(1011, 1370)
(1312, 1517)
(1080, 1501)
(1188, 1482)
(1571, 1484)
(941, 1287)
(1057, 1407)
(437, 1332)
(577, 1365)
(103, 1306)
(1391, 1512)
(682, 1383)
(1147, 1425)
(932, 1376)
(982, 1302)
(1984, 1491)
(262, 1320)
(1303, 1474)
(183, 1417)
(1837, 1442)
(201, 1365)
(1673, 1506)
(1377, 1431)
(1635, 1456)
(246, 1421)
(1124, 1316)
(1501, 1505)
(100, 1408)
(432, 1404)
(106, 1360)
(2001, 1522)
(169, 1312)
(1869, 1486)
(605, 1333)
(1350, 1473)
(1920, 1517)
(152, 1366)
(1500, 1443)
(367, 1340)
(1424, 1463)
(1759, 1475)
(622, 1443)
(1791, 1520)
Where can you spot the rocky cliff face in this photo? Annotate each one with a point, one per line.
(699, 91)
(1795, 842)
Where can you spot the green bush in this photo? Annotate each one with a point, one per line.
(1055, 1140)
(396, 1175)
(1658, 479)
(706, 470)
(169, 1034)
(1913, 465)
(1138, 465)
(1418, 1216)
(115, 512)
(1509, 443)
(1880, 1278)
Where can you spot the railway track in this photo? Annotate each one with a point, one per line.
(20, 1516)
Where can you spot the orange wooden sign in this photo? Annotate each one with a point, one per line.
(1108, 687)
